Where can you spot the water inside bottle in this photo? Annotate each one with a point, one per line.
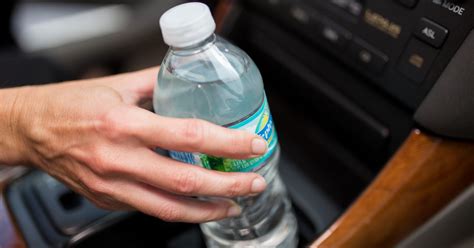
(219, 83)
(210, 91)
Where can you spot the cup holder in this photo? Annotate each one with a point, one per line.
(70, 200)
(144, 231)
(51, 215)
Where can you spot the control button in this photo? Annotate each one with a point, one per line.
(416, 60)
(334, 34)
(355, 8)
(431, 32)
(352, 6)
(408, 3)
(300, 14)
(367, 56)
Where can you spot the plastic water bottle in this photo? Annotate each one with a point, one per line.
(204, 76)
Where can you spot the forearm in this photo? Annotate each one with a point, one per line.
(12, 150)
(93, 136)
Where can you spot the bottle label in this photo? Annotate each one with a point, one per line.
(260, 123)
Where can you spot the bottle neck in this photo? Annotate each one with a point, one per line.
(195, 48)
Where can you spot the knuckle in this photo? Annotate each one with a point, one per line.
(92, 157)
(104, 161)
(111, 125)
(194, 133)
(237, 144)
(97, 187)
(169, 213)
(235, 188)
(187, 182)
(103, 167)
(97, 192)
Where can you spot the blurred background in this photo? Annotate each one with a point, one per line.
(63, 40)
(54, 41)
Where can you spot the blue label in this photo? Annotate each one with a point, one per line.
(260, 123)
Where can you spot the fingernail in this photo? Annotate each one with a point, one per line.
(233, 211)
(259, 146)
(258, 185)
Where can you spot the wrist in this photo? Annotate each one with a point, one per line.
(13, 148)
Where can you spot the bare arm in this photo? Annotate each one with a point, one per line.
(92, 135)
(11, 146)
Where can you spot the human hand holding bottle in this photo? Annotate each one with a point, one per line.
(93, 136)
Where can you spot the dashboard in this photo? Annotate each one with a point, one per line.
(348, 82)
(402, 46)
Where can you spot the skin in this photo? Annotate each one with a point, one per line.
(94, 136)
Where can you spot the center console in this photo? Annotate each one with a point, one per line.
(347, 81)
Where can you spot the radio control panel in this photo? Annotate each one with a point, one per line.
(402, 46)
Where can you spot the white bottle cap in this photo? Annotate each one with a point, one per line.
(187, 24)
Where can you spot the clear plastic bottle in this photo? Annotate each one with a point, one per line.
(204, 76)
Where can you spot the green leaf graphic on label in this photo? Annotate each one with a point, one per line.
(230, 165)
(211, 162)
(260, 123)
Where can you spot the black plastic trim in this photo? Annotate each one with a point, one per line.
(448, 109)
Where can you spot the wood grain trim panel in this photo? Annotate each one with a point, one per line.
(423, 176)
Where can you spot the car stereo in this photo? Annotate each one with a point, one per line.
(402, 46)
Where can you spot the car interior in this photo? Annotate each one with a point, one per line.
(373, 101)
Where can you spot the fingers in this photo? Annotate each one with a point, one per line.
(174, 208)
(185, 179)
(193, 135)
(117, 193)
(144, 180)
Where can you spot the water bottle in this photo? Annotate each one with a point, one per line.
(204, 76)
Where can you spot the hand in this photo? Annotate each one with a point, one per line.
(92, 136)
